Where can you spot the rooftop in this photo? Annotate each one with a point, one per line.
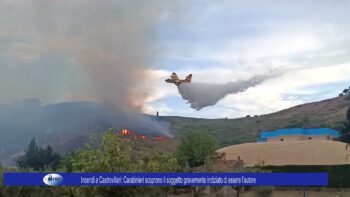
(290, 153)
(299, 131)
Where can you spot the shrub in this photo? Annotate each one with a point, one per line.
(196, 149)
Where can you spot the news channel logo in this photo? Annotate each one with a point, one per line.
(53, 179)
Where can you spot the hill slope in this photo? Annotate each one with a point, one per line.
(51, 125)
(327, 113)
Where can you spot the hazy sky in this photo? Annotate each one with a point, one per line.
(216, 41)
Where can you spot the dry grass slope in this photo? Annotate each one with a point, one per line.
(327, 113)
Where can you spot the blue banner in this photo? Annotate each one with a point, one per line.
(165, 179)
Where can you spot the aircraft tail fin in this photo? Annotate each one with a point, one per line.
(189, 78)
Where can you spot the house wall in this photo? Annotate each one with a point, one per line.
(289, 138)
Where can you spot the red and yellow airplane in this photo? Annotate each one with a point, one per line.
(175, 79)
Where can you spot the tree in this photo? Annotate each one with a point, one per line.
(107, 154)
(196, 149)
(345, 92)
(156, 162)
(50, 158)
(30, 158)
(38, 158)
(345, 131)
(110, 153)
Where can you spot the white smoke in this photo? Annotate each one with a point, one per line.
(110, 44)
(200, 95)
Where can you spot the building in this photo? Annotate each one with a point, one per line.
(295, 150)
(284, 147)
(298, 134)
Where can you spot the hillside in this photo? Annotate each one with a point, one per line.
(327, 113)
(66, 126)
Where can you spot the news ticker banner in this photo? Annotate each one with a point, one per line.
(165, 179)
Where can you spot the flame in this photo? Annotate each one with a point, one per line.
(125, 132)
(158, 138)
(143, 137)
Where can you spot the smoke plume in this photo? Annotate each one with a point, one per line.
(200, 95)
(110, 44)
(112, 41)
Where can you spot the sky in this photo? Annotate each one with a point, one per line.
(216, 41)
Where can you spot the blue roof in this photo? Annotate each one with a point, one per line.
(299, 131)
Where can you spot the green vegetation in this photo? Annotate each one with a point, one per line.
(329, 113)
(345, 92)
(345, 131)
(196, 148)
(110, 153)
(298, 122)
(38, 158)
(106, 153)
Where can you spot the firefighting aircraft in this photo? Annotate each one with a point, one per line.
(175, 79)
